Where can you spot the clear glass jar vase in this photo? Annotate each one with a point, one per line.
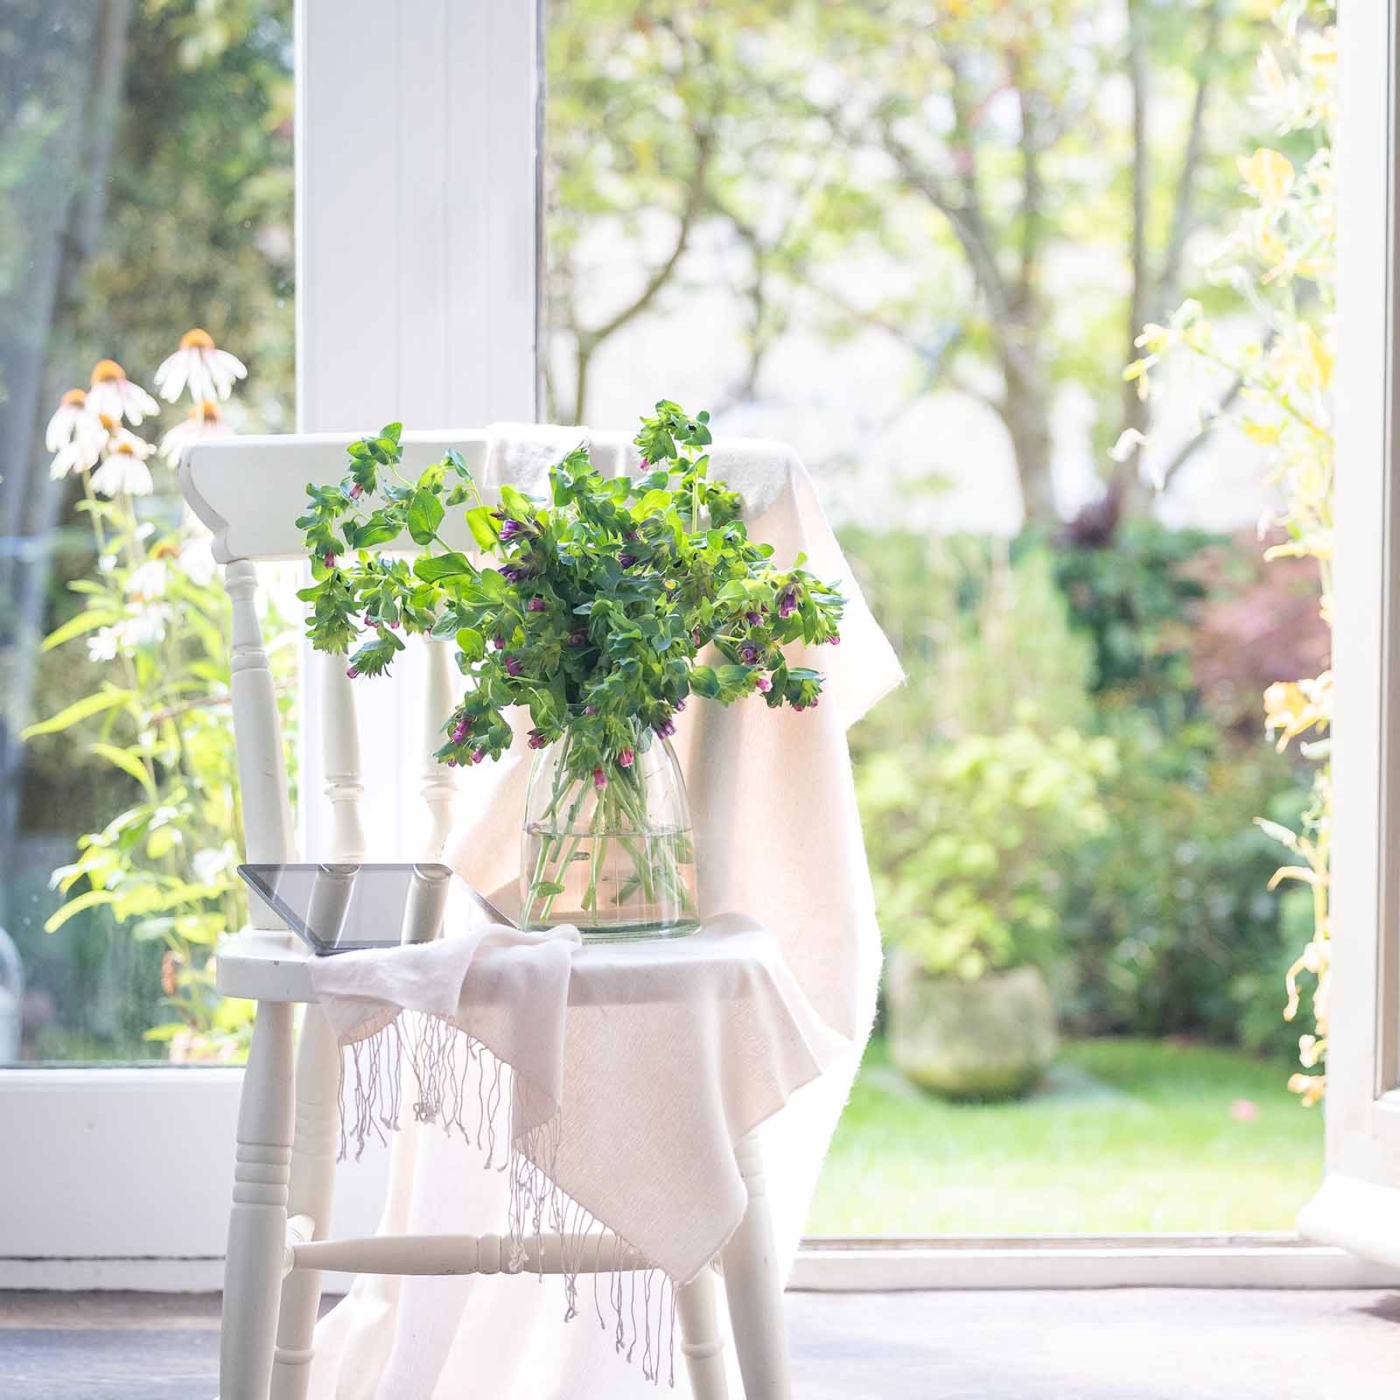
(618, 861)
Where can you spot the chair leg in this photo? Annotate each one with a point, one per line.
(257, 1225)
(754, 1288)
(701, 1342)
(309, 1193)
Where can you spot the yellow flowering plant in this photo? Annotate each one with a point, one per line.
(1276, 386)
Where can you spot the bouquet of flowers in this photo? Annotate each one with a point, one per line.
(594, 617)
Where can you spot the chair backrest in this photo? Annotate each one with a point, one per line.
(249, 492)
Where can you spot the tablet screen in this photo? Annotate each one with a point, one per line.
(338, 908)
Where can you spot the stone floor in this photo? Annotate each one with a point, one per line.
(1129, 1344)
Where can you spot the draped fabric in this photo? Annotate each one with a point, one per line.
(667, 1054)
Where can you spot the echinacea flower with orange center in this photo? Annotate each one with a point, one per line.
(114, 395)
(66, 420)
(203, 421)
(124, 468)
(200, 366)
(75, 435)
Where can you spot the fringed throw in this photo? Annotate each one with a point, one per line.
(458, 1083)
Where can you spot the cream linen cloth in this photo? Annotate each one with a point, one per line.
(778, 838)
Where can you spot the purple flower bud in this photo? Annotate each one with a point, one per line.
(695, 635)
(753, 619)
(515, 573)
(763, 683)
(834, 640)
(799, 708)
(590, 709)
(625, 758)
(369, 622)
(451, 762)
(459, 734)
(644, 464)
(626, 560)
(787, 604)
(600, 779)
(538, 739)
(535, 605)
(665, 729)
(478, 755)
(513, 666)
(748, 653)
(678, 706)
(328, 559)
(577, 639)
(815, 702)
(356, 491)
(352, 672)
(631, 535)
(511, 528)
(499, 643)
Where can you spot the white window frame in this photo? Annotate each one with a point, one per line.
(427, 309)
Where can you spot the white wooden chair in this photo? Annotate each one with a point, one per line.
(249, 492)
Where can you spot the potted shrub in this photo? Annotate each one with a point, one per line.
(973, 809)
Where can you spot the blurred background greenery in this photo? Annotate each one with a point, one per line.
(917, 242)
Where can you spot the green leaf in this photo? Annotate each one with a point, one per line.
(482, 523)
(79, 710)
(76, 626)
(128, 763)
(704, 681)
(425, 514)
(432, 567)
(90, 899)
(472, 643)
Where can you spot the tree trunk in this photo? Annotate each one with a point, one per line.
(1025, 409)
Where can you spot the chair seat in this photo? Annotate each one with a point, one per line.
(264, 965)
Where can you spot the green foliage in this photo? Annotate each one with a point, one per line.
(971, 838)
(990, 779)
(604, 597)
(1168, 925)
(1135, 599)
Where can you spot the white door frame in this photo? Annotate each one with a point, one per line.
(417, 207)
(1358, 1205)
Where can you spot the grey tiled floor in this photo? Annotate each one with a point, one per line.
(1129, 1344)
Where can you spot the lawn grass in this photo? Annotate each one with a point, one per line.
(1125, 1135)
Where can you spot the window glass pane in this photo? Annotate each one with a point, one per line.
(145, 192)
(920, 243)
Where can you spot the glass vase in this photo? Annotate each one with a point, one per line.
(617, 861)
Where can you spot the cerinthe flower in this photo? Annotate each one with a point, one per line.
(112, 393)
(626, 758)
(535, 605)
(200, 366)
(513, 666)
(787, 604)
(600, 779)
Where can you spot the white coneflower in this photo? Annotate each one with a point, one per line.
(114, 395)
(196, 559)
(83, 448)
(147, 580)
(203, 421)
(66, 420)
(200, 366)
(124, 468)
(102, 645)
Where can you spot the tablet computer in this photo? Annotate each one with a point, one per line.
(340, 908)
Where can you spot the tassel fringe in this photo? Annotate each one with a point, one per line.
(460, 1085)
